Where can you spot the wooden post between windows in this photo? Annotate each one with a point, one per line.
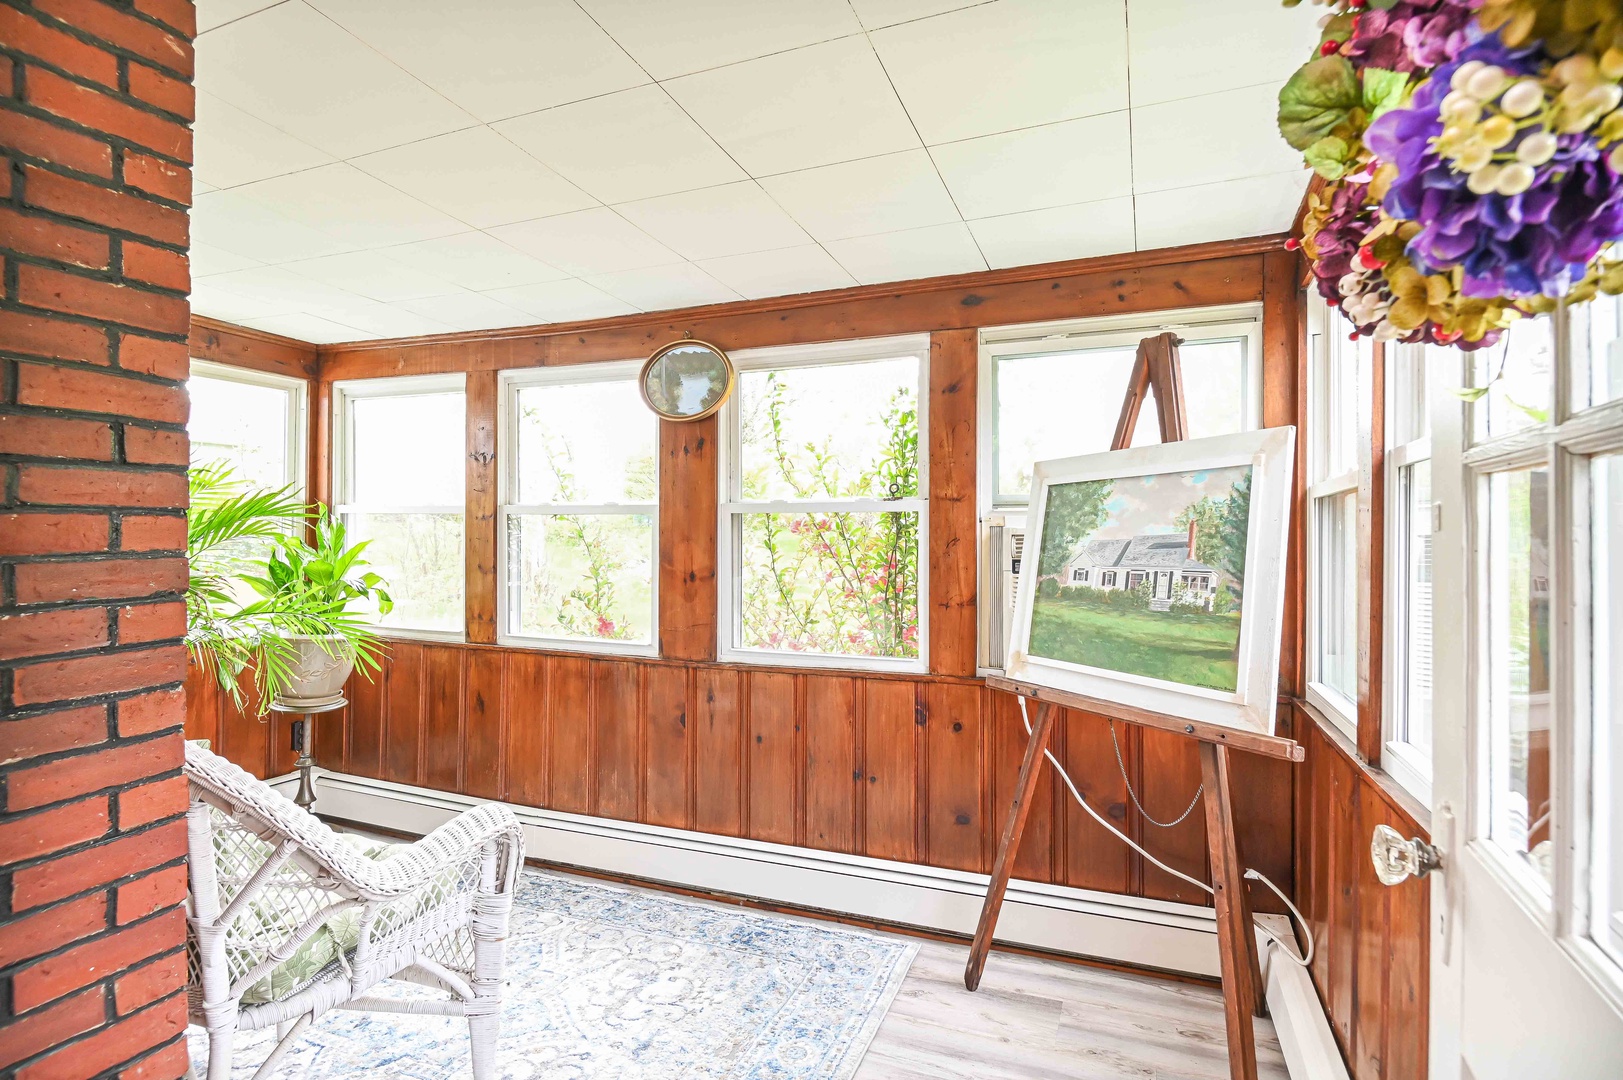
(1371, 554)
(688, 493)
(954, 361)
(480, 519)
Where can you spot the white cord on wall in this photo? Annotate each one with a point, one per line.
(1287, 948)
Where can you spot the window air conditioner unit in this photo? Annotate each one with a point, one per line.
(1005, 548)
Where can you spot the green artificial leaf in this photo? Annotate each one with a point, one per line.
(1317, 100)
(1328, 157)
(1383, 90)
(1472, 393)
(1337, 29)
(1383, 5)
(1541, 416)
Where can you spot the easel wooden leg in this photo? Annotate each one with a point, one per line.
(1009, 845)
(1236, 938)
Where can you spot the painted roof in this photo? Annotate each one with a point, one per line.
(1146, 551)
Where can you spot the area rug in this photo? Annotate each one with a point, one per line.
(605, 982)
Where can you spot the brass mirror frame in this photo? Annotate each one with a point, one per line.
(659, 354)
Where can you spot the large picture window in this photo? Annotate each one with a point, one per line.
(399, 482)
(579, 509)
(823, 506)
(1055, 390)
(1337, 371)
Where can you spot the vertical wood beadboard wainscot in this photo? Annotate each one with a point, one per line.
(1371, 968)
(914, 768)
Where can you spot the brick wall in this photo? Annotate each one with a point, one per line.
(95, 152)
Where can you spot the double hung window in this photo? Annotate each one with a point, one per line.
(1410, 520)
(579, 509)
(823, 506)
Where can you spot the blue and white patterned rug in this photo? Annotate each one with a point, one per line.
(607, 983)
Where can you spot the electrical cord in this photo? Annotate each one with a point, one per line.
(1304, 959)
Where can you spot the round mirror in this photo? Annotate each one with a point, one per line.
(686, 380)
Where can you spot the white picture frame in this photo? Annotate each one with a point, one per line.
(1251, 705)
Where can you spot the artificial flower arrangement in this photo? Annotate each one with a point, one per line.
(1472, 153)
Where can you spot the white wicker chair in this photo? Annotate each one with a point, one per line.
(289, 919)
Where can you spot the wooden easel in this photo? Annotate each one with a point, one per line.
(1156, 367)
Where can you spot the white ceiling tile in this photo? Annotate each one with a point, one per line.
(467, 311)
(711, 222)
(474, 260)
(1206, 139)
(345, 203)
(206, 260)
(588, 242)
(1181, 49)
(563, 301)
(1052, 165)
(1015, 63)
(311, 328)
(873, 195)
(281, 288)
(877, 13)
(631, 145)
(779, 273)
(476, 176)
(1254, 206)
(496, 59)
(232, 222)
(372, 275)
(659, 288)
(1056, 234)
(376, 320)
(799, 109)
(233, 307)
(234, 148)
(916, 253)
(671, 39)
(294, 68)
(212, 13)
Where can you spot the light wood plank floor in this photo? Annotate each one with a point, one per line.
(1037, 1019)
(1045, 1020)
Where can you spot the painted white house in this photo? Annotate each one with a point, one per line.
(1165, 560)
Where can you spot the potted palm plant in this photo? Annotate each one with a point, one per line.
(261, 600)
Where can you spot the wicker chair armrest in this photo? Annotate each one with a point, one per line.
(409, 867)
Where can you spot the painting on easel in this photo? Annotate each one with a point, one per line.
(1159, 577)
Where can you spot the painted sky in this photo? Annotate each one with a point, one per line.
(1151, 504)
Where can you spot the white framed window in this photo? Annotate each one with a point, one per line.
(1542, 481)
(253, 421)
(1410, 522)
(399, 481)
(1335, 364)
(1052, 390)
(579, 493)
(824, 488)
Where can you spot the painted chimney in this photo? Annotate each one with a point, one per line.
(1192, 528)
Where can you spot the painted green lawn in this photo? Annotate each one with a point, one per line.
(1197, 650)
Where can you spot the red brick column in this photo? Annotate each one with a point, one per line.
(95, 153)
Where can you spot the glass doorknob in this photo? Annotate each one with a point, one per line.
(1396, 858)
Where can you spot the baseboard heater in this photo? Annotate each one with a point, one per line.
(1154, 934)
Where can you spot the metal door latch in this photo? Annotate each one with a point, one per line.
(1396, 858)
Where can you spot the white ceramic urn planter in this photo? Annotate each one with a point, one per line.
(320, 667)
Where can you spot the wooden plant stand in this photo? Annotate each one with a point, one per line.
(1156, 367)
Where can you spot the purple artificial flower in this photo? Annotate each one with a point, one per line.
(1411, 35)
(1536, 242)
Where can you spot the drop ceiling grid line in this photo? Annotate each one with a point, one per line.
(920, 18)
(867, 36)
(409, 74)
(244, 15)
(1132, 165)
(752, 178)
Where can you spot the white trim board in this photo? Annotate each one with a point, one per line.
(1105, 926)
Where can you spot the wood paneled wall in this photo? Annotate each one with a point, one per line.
(1372, 963)
(917, 769)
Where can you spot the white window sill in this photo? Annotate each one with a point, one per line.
(1336, 707)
